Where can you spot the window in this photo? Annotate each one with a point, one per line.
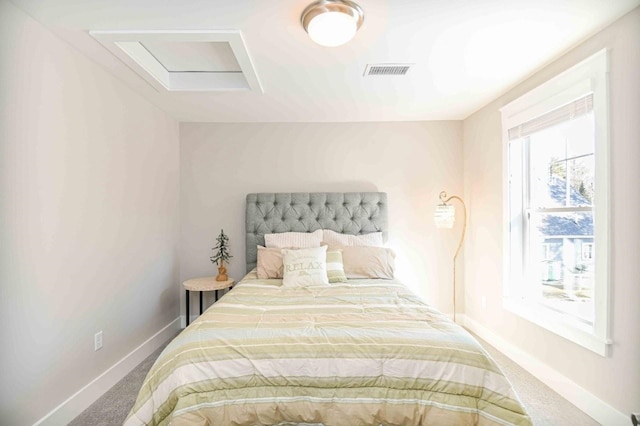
(556, 186)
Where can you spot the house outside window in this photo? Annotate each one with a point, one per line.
(556, 204)
(587, 251)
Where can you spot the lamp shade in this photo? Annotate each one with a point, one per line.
(444, 216)
(332, 22)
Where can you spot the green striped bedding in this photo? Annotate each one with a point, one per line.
(365, 352)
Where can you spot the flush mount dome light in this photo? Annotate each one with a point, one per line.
(332, 22)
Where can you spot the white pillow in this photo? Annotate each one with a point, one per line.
(305, 267)
(294, 239)
(334, 239)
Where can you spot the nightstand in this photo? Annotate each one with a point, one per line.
(204, 284)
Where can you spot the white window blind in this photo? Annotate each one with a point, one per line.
(575, 109)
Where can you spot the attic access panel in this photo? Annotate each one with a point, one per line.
(185, 60)
(202, 56)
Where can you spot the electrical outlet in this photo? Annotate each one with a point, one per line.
(97, 341)
(483, 302)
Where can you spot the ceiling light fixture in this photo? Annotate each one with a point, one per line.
(332, 22)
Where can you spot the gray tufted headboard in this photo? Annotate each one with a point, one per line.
(345, 212)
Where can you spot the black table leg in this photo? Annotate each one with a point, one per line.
(216, 295)
(200, 303)
(187, 299)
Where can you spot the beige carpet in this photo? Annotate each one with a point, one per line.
(545, 407)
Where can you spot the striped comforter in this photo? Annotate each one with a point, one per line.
(367, 352)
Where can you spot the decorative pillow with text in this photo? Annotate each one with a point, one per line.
(305, 267)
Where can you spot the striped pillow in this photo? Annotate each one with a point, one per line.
(294, 239)
(335, 267)
(335, 239)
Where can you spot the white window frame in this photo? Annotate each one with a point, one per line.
(589, 76)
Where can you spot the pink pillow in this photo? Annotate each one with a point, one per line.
(269, 263)
(368, 262)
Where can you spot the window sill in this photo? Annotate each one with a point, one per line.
(557, 323)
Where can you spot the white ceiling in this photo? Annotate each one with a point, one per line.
(466, 53)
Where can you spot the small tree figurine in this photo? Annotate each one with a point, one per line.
(222, 255)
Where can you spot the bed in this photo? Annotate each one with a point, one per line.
(361, 352)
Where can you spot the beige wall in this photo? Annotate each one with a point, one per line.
(411, 161)
(615, 379)
(88, 219)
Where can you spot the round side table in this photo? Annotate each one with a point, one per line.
(204, 284)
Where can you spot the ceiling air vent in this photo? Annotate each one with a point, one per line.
(387, 69)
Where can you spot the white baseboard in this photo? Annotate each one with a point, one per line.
(81, 400)
(593, 406)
